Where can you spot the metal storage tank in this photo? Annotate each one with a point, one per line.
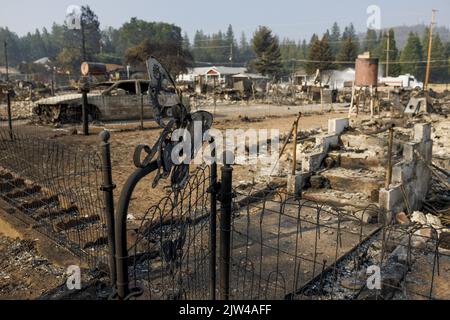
(366, 71)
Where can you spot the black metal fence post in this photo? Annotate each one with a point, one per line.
(213, 227)
(108, 194)
(226, 197)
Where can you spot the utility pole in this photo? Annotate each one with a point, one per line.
(387, 53)
(83, 39)
(231, 54)
(8, 96)
(430, 44)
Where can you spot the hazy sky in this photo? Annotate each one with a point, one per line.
(288, 18)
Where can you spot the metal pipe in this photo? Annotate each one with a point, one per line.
(389, 168)
(85, 112)
(142, 112)
(225, 231)
(294, 165)
(213, 228)
(122, 282)
(108, 195)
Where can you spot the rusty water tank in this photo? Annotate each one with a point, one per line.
(366, 71)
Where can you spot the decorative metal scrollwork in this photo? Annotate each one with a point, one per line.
(161, 85)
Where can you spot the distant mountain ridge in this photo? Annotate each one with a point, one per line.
(402, 32)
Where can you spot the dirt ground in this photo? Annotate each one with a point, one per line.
(24, 273)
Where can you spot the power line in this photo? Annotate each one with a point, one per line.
(353, 62)
(338, 62)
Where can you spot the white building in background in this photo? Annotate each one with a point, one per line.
(205, 75)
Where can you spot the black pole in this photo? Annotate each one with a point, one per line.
(53, 81)
(8, 96)
(84, 107)
(8, 103)
(142, 112)
(213, 226)
(108, 194)
(83, 39)
(225, 231)
(85, 114)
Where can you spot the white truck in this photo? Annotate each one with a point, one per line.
(406, 81)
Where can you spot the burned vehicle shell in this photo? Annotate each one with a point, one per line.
(108, 101)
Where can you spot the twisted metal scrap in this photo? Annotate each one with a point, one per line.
(181, 118)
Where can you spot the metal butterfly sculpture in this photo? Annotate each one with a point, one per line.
(161, 85)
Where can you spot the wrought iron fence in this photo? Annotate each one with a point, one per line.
(281, 245)
(273, 245)
(413, 264)
(169, 244)
(56, 190)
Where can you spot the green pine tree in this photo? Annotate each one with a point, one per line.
(371, 42)
(412, 53)
(394, 66)
(349, 48)
(267, 49)
(335, 38)
(320, 55)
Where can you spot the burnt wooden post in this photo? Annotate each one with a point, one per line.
(294, 166)
(108, 195)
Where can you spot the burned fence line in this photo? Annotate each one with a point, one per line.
(273, 245)
(56, 190)
(209, 240)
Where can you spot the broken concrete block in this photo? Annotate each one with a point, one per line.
(427, 151)
(392, 199)
(326, 142)
(295, 184)
(409, 151)
(402, 173)
(312, 162)
(337, 126)
(422, 132)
